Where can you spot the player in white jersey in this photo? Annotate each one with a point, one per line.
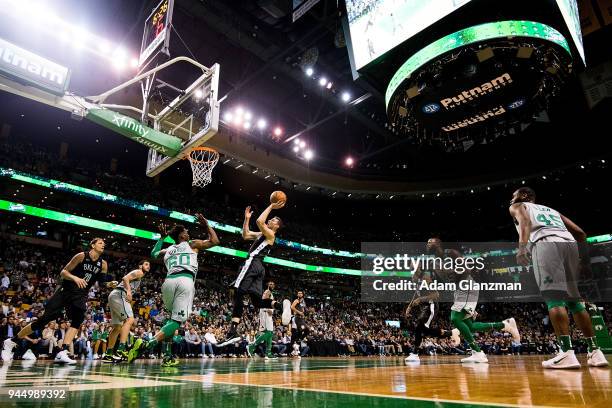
(122, 316)
(557, 248)
(181, 261)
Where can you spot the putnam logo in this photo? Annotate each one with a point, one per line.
(476, 92)
(481, 117)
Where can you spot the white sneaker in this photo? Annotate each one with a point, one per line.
(7, 350)
(476, 357)
(565, 359)
(28, 355)
(456, 340)
(286, 317)
(62, 357)
(597, 359)
(511, 327)
(96, 357)
(7, 356)
(412, 358)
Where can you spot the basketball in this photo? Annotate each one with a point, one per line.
(277, 196)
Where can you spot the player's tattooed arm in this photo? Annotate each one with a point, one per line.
(519, 213)
(66, 272)
(247, 234)
(212, 240)
(135, 274)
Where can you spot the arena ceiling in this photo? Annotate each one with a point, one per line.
(264, 56)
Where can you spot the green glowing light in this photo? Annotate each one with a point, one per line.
(136, 232)
(471, 35)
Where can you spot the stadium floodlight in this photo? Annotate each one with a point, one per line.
(309, 154)
(323, 81)
(349, 161)
(198, 94)
(239, 111)
(309, 71)
(228, 116)
(296, 148)
(247, 125)
(248, 115)
(346, 96)
(329, 85)
(261, 124)
(278, 131)
(296, 141)
(302, 144)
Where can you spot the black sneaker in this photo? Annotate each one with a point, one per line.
(108, 358)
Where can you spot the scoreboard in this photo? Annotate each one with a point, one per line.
(156, 36)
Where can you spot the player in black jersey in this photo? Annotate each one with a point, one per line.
(421, 314)
(251, 275)
(77, 277)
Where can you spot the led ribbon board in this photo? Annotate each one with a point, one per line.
(140, 233)
(98, 195)
(471, 35)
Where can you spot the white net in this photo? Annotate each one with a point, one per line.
(203, 160)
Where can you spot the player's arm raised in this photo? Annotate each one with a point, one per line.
(519, 213)
(261, 221)
(157, 250)
(212, 240)
(65, 273)
(247, 234)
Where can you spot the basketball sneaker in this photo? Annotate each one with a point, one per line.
(29, 355)
(597, 359)
(107, 358)
(455, 339)
(136, 350)
(63, 358)
(251, 350)
(231, 337)
(565, 359)
(270, 357)
(120, 356)
(170, 361)
(511, 327)
(412, 358)
(286, 317)
(476, 357)
(7, 349)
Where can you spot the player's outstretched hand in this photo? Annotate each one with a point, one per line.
(248, 212)
(278, 205)
(163, 229)
(201, 220)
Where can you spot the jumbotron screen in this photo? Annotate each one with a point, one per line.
(377, 26)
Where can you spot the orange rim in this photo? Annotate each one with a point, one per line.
(204, 149)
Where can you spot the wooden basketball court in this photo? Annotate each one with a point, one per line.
(325, 382)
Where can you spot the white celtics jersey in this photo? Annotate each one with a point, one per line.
(181, 258)
(545, 222)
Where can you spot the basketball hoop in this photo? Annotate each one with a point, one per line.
(203, 160)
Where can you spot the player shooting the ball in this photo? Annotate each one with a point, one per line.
(251, 275)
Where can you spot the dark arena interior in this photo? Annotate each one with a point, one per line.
(306, 203)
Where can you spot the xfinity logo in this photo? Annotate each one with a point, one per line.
(130, 124)
(476, 92)
(15, 62)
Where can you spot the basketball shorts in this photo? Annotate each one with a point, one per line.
(75, 305)
(120, 308)
(250, 278)
(177, 294)
(465, 301)
(556, 267)
(266, 322)
(425, 314)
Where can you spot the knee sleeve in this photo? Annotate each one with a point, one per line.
(551, 304)
(575, 307)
